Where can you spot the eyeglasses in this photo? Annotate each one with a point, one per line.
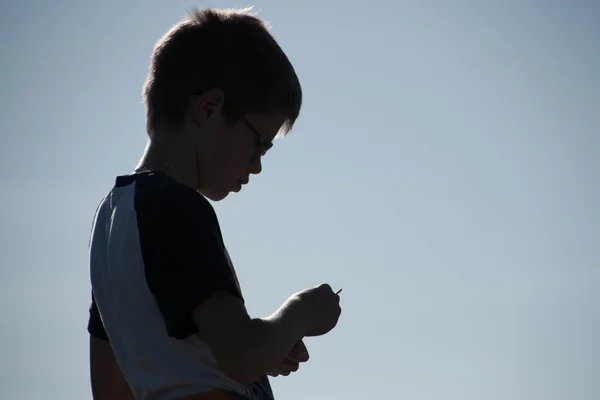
(261, 142)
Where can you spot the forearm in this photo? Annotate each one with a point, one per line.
(263, 343)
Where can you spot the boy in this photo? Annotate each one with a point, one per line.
(167, 319)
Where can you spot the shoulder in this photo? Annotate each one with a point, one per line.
(159, 195)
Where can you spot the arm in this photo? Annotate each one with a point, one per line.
(108, 382)
(106, 377)
(248, 348)
(192, 281)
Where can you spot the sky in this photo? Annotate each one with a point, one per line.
(444, 172)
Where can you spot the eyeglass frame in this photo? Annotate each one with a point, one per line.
(266, 145)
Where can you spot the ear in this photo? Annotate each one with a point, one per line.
(206, 105)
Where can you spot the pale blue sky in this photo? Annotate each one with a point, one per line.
(444, 172)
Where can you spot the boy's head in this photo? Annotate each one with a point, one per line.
(220, 79)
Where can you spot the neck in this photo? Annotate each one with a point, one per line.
(170, 157)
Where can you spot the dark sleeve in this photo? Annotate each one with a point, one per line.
(95, 325)
(183, 254)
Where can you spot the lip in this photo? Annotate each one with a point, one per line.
(243, 182)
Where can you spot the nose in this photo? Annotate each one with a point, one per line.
(256, 166)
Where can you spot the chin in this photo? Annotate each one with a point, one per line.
(213, 195)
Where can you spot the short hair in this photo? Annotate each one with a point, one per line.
(228, 49)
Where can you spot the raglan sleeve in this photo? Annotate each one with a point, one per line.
(184, 256)
(95, 325)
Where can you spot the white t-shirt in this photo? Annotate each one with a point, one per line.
(156, 252)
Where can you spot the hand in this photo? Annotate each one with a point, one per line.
(323, 309)
(297, 355)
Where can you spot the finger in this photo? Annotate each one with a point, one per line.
(292, 357)
(289, 366)
(284, 369)
(298, 356)
(300, 352)
(294, 352)
(303, 356)
(326, 287)
(300, 345)
(295, 356)
(276, 372)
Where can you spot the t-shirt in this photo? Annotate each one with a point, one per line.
(156, 252)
